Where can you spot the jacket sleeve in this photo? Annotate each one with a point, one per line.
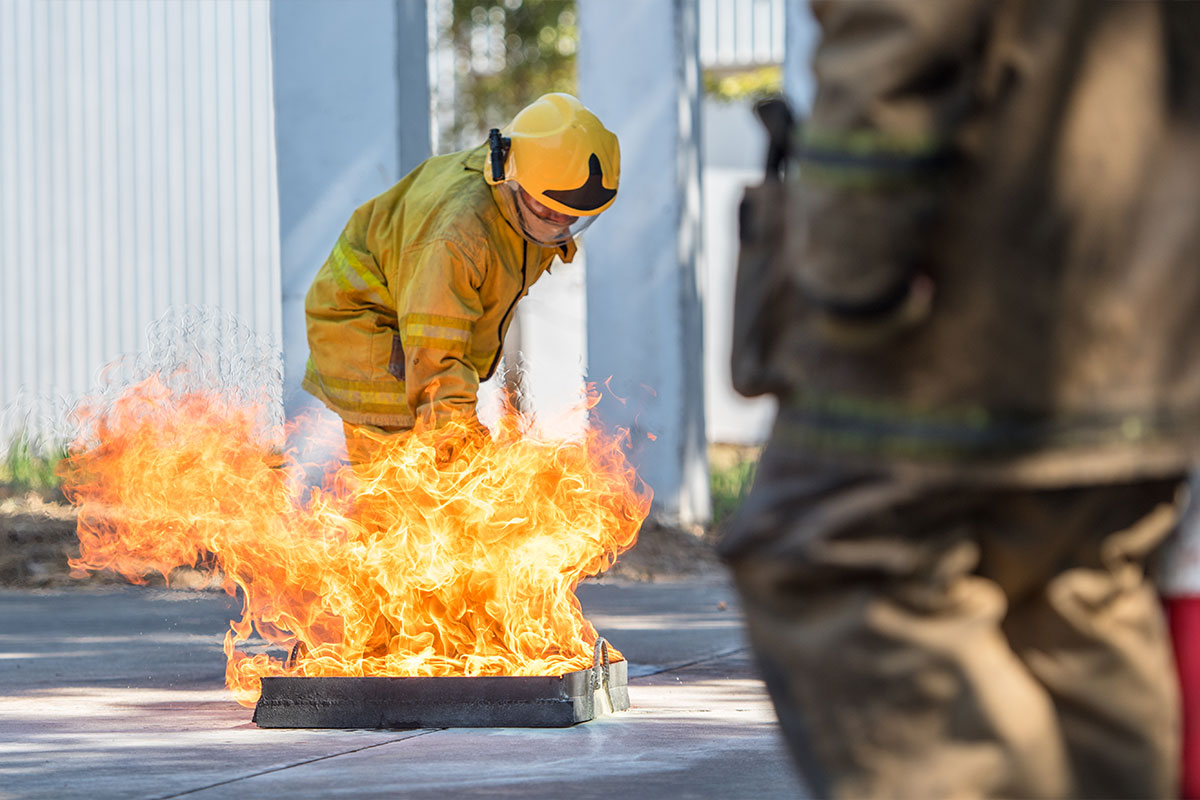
(894, 81)
(350, 317)
(437, 314)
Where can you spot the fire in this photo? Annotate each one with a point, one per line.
(455, 552)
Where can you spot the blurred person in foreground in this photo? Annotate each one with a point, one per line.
(976, 292)
(409, 312)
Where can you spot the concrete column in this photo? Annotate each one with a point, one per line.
(413, 107)
(351, 117)
(639, 71)
(800, 40)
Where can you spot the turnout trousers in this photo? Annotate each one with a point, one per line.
(925, 640)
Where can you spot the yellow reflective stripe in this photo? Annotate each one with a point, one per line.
(362, 401)
(440, 319)
(871, 143)
(387, 386)
(437, 330)
(454, 345)
(385, 397)
(358, 402)
(971, 417)
(840, 178)
(868, 159)
(352, 273)
(343, 250)
(399, 409)
(339, 275)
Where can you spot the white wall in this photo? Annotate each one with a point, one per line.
(552, 329)
(799, 83)
(741, 33)
(639, 72)
(734, 153)
(340, 128)
(137, 172)
(734, 150)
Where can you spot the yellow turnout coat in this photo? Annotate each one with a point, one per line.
(409, 311)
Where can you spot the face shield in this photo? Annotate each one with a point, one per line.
(533, 220)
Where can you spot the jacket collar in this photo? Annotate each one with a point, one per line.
(474, 161)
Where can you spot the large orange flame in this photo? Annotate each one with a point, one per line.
(453, 553)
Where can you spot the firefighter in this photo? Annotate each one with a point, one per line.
(971, 280)
(408, 313)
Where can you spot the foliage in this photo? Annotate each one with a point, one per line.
(27, 465)
(744, 85)
(731, 473)
(507, 54)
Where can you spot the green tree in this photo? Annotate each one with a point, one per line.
(507, 53)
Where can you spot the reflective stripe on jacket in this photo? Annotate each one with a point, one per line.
(409, 311)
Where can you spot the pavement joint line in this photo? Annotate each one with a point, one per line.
(659, 671)
(683, 664)
(720, 654)
(297, 764)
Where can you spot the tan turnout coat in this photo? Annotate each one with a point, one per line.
(409, 311)
(1039, 163)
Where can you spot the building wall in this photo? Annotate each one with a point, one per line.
(348, 129)
(734, 151)
(137, 173)
(740, 34)
(645, 294)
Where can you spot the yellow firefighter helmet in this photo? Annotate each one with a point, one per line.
(561, 155)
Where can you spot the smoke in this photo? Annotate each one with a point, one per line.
(203, 348)
(188, 348)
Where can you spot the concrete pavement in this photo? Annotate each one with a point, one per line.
(119, 693)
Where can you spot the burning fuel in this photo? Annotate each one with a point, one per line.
(452, 554)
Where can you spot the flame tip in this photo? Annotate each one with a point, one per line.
(504, 524)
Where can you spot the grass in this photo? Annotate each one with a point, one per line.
(29, 467)
(730, 474)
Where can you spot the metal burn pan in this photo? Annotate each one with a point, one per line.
(456, 702)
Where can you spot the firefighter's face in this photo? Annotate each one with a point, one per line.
(546, 214)
(534, 220)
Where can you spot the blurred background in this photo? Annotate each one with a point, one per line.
(166, 154)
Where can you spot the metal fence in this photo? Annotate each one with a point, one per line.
(739, 34)
(137, 172)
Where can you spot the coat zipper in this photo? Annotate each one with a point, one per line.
(500, 349)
